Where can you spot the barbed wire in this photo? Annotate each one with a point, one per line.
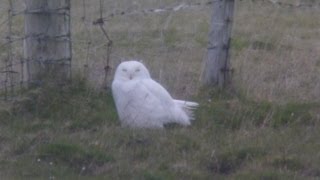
(288, 5)
(9, 86)
(8, 61)
(12, 14)
(172, 8)
(184, 5)
(13, 66)
(107, 66)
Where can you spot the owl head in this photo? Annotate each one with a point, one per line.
(131, 70)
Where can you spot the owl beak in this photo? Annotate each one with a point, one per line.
(130, 77)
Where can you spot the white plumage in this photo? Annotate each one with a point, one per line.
(141, 102)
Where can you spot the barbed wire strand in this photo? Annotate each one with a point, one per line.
(9, 70)
(68, 22)
(8, 85)
(288, 5)
(182, 6)
(88, 38)
(107, 66)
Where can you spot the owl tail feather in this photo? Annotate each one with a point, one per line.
(188, 107)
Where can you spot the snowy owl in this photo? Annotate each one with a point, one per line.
(141, 102)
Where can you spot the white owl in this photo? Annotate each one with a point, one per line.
(141, 102)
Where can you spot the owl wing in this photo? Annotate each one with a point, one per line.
(174, 110)
(158, 92)
(118, 93)
(142, 103)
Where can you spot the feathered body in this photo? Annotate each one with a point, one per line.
(143, 103)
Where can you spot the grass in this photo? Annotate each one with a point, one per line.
(73, 133)
(265, 127)
(274, 50)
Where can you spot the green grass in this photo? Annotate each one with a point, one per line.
(73, 156)
(268, 129)
(230, 160)
(72, 132)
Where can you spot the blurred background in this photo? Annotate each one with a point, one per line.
(275, 45)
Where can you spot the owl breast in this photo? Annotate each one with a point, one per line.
(137, 107)
(143, 102)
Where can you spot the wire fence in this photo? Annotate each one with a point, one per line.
(170, 36)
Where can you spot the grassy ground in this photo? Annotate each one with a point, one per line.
(73, 133)
(266, 127)
(275, 50)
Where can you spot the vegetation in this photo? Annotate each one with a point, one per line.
(265, 127)
(73, 133)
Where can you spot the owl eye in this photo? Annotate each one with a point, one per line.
(124, 70)
(138, 70)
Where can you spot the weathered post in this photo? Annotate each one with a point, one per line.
(47, 44)
(216, 70)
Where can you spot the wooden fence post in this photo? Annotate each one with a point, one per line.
(216, 70)
(47, 43)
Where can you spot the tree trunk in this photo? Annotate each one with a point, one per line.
(47, 44)
(216, 70)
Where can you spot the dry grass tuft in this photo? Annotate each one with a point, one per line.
(275, 50)
(267, 128)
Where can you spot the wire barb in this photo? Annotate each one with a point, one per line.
(14, 69)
